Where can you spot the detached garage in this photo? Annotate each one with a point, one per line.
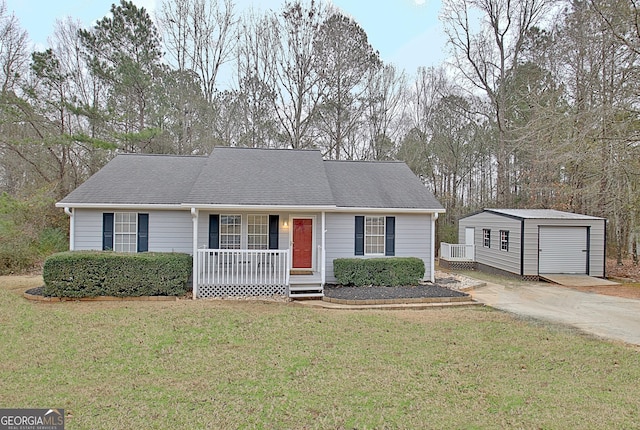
(534, 242)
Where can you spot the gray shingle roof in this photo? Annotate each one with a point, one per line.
(140, 179)
(377, 184)
(253, 177)
(272, 177)
(540, 214)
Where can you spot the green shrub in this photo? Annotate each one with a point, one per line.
(31, 228)
(388, 272)
(93, 273)
(52, 240)
(16, 257)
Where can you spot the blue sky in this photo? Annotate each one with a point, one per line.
(407, 33)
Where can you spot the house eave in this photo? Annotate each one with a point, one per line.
(278, 208)
(291, 208)
(227, 207)
(131, 206)
(389, 210)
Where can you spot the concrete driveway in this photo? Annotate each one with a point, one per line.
(605, 316)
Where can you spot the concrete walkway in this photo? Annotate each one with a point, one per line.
(604, 316)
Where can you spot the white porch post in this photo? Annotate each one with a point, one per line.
(324, 252)
(434, 217)
(72, 227)
(194, 275)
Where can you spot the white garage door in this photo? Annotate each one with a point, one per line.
(563, 250)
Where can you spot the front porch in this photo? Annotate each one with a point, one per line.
(457, 256)
(244, 272)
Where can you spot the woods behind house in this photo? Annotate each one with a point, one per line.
(537, 106)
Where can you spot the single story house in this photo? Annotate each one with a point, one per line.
(257, 221)
(534, 242)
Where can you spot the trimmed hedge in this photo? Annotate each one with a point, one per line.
(387, 272)
(94, 273)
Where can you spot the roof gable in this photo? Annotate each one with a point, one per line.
(140, 179)
(263, 177)
(253, 177)
(378, 184)
(535, 214)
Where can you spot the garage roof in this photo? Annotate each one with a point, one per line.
(540, 214)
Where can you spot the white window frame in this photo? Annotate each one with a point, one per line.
(504, 240)
(257, 232)
(125, 228)
(224, 231)
(369, 235)
(486, 237)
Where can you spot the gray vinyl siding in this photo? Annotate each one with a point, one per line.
(596, 243)
(508, 261)
(412, 239)
(88, 229)
(169, 231)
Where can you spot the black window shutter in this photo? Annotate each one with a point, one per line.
(274, 223)
(390, 236)
(107, 231)
(143, 232)
(359, 235)
(214, 227)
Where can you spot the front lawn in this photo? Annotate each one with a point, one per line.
(211, 364)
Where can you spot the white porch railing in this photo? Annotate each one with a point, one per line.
(241, 272)
(457, 252)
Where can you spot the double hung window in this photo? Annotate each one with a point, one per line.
(230, 231)
(125, 232)
(258, 232)
(504, 240)
(374, 235)
(486, 238)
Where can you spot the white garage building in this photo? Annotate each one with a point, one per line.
(534, 242)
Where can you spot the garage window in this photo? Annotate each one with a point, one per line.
(486, 238)
(504, 240)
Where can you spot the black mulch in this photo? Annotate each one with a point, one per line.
(373, 293)
(365, 293)
(38, 291)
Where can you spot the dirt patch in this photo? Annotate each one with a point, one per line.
(627, 270)
(628, 291)
(403, 292)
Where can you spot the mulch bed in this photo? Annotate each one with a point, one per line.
(38, 291)
(381, 293)
(366, 293)
(37, 294)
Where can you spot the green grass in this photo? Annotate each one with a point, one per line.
(212, 364)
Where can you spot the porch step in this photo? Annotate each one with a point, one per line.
(311, 289)
(306, 295)
(302, 281)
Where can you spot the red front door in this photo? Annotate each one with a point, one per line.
(302, 243)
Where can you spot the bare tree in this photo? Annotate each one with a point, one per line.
(385, 95)
(13, 49)
(256, 97)
(291, 70)
(486, 57)
(200, 36)
(85, 92)
(429, 86)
